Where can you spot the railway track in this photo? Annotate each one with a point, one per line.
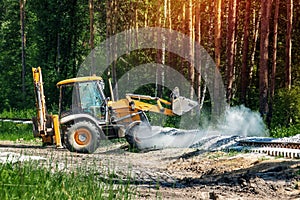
(281, 147)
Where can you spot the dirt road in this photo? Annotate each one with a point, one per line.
(182, 173)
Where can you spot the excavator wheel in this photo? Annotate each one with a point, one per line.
(136, 134)
(82, 137)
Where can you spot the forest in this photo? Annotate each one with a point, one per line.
(255, 45)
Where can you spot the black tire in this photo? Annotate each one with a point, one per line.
(82, 137)
(132, 134)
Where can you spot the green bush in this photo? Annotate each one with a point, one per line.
(15, 131)
(14, 113)
(286, 108)
(279, 132)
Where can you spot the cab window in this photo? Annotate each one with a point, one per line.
(90, 96)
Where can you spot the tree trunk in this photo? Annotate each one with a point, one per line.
(197, 54)
(210, 31)
(288, 48)
(23, 39)
(159, 55)
(108, 28)
(169, 15)
(183, 30)
(114, 50)
(264, 56)
(256, 24)
(190, 48)
(165, 9)
(245, 68)
(231, 47)
(111, 11)
(145, 14)
(58, 54)
(91, 9)
(218, 33)
(274, 58)
(169, 25)
(217, 50)
(274, 62)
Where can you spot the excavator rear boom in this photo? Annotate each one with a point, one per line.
(44, 125)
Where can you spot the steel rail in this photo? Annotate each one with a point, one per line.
(287, 149)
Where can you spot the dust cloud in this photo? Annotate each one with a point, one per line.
(243, 122)
(237, 122)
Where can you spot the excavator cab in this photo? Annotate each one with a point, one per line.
(82, 95)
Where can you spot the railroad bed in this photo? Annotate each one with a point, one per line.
(284, 147)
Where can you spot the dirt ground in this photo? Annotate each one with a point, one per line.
(182, 173)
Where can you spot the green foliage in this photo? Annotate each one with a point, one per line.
(279, 132)
(22, 114)
(14, 131)
(27, 181)
(157, 119)
(286, 108)
(58, 30)
(10, 55)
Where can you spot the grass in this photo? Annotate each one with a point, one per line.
(221, 154)
(216, 155)
(263, 158)
(232, 153)
(27, 181)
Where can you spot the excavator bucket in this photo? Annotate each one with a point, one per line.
(181, 105)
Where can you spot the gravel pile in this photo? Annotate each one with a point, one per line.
(216, 143)
(205, 140)
(293, 139)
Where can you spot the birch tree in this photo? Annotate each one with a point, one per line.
(231, 47)
(288, 45)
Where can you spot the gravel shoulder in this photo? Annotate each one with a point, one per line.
(178, 173)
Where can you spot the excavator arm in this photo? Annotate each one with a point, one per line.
(179, 105)
(136, 103)
(128, 110)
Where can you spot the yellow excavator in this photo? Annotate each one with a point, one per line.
(86, 116)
